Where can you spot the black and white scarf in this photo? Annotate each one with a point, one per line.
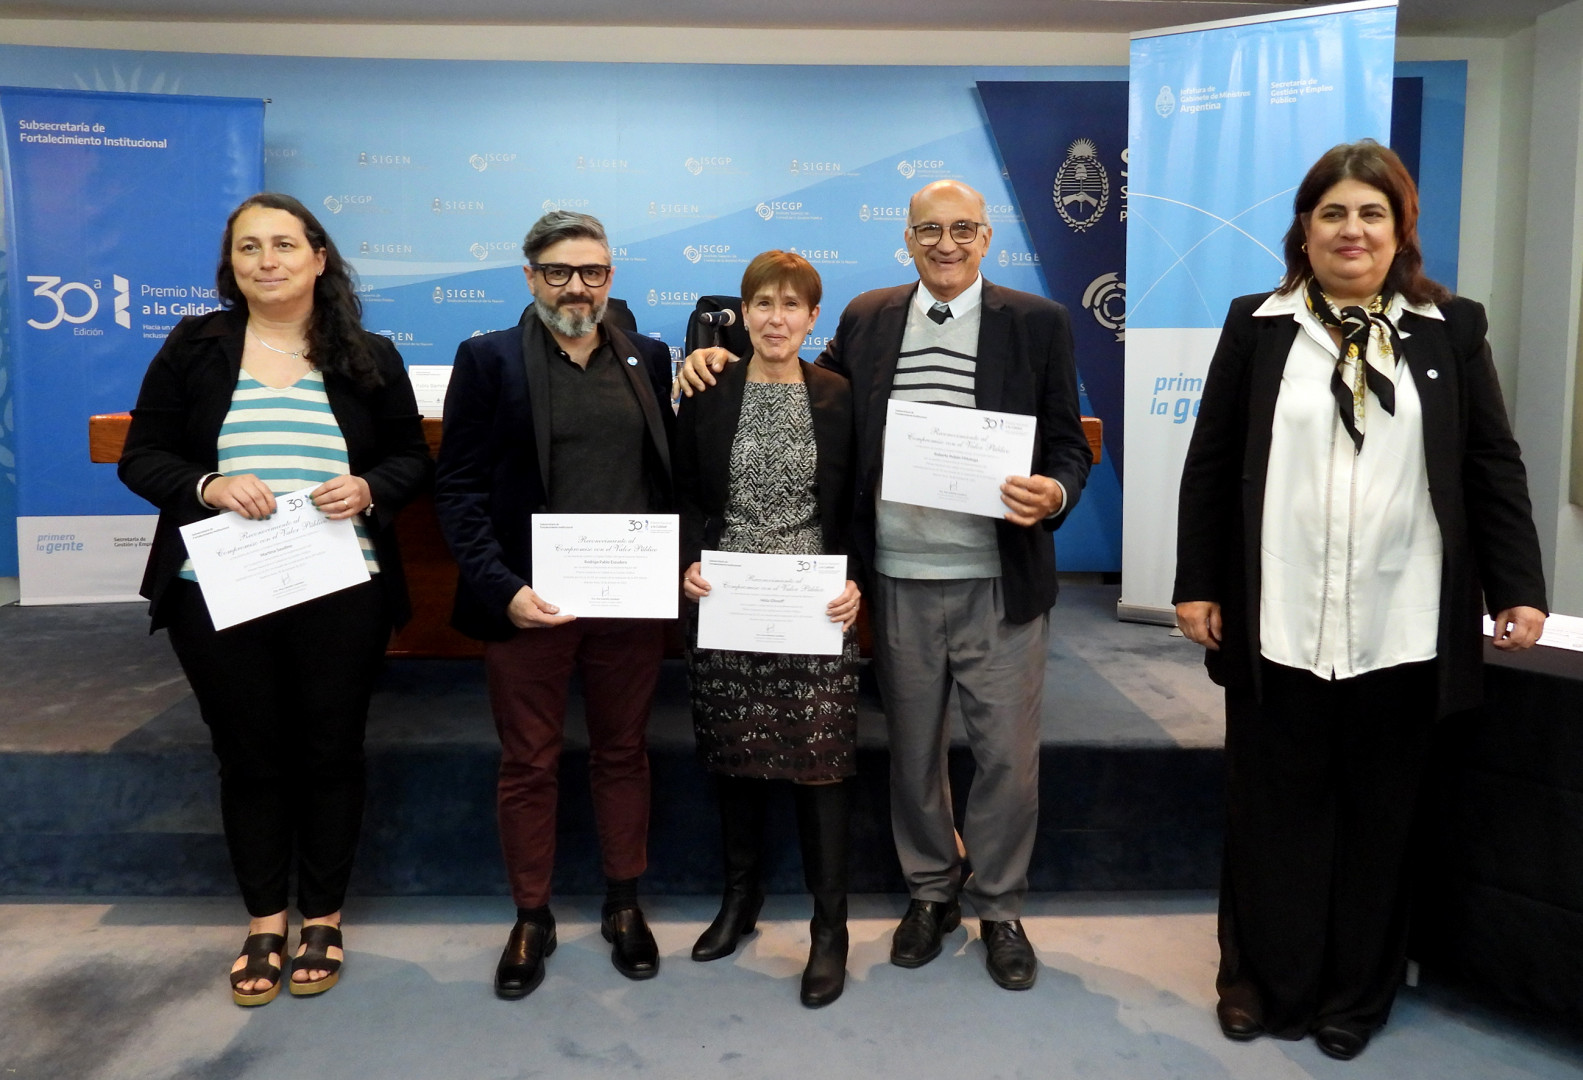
(1356, 324)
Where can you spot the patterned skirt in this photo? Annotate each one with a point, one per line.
(772, 716)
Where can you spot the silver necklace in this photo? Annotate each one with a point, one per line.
(283, 352)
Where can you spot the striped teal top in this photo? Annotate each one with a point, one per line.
(289, 439)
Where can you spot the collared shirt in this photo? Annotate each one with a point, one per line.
(965, 302)
(1350, 551)
(597, 435)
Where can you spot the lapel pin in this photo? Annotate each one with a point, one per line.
(632, 361)
(1432, 373)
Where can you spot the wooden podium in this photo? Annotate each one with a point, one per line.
(431, 573)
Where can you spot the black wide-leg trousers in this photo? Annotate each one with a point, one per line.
(285, 698)
(1322, 781)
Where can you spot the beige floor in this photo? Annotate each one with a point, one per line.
(135, 990)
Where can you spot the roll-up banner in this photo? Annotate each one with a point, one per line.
(114, 204)
(1064, 148)
(1224, 120)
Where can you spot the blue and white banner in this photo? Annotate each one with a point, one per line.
(1224, 120)
(114, 208)
(1064, 147)
(428, 172)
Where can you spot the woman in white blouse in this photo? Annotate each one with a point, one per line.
(1351, 500)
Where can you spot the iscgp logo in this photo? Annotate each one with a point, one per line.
(50, 288)
(1106, 300)
(332, 204)
(478, 162)
(694, 166)
(764, 210)
(482, 251)
(692, 253)
(903, 256)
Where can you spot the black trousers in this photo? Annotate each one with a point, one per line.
(285, 698)
(1322, 783)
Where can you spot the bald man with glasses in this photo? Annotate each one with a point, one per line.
(562, 414)
(959, 604)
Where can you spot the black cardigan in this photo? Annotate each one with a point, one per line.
(706, 428)
(176, 428)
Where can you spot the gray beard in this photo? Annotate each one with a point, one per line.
(565, 323)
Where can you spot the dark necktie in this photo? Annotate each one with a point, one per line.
(940, 312)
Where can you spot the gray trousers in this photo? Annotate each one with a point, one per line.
(931, 637)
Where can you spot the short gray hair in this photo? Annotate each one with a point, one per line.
(560, 225)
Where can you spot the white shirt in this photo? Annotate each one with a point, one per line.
(1350, 551)
(965, 301)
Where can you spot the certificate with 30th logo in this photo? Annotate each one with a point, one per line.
(614, 566)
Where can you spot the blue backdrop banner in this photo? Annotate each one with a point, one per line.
(1064, 147)
(1224, 121)
(115, 204)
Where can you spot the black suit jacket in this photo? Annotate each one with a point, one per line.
(494, 463)
(706, 429)
(1025, 365)
(1477, 485)
(176, 427)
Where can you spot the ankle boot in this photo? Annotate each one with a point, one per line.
(742, 805)
(823, 819)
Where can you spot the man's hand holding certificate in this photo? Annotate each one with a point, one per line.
(248, 568)
(952, 458)
(616, 566)
(771, 603)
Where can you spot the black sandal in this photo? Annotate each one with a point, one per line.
(257, 949)
(318, 939)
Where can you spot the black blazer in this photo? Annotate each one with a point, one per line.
(706, 429)
(1477, 485)
(494, 473)
(1025, 365)
(176, 427)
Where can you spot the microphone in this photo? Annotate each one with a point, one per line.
(726, 317)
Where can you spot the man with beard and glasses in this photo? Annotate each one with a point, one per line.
(563, 414)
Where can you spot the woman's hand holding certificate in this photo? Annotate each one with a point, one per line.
(771, 603)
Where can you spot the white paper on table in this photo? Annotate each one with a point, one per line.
(251, 568)
(770, 603)
(429, 383)
(1560, 632)
(952, 458)
(619, 566)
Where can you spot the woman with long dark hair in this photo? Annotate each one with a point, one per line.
(281, 390)
(1351, 496)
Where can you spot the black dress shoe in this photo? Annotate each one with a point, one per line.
(917, 938)
(1011, 961)
(521, 966)
(1341, 1043)
(634, 952)
(1237, 1023)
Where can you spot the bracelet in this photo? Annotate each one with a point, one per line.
(204, 481)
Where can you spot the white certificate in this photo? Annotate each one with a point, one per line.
(616, 566)
(951, 458)
(770, 603)
(429, 383)
(251, 568)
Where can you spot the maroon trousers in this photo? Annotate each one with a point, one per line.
(529, 675)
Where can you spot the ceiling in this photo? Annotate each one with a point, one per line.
(1415, 16)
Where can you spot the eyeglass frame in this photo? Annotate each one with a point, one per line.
(977, 225)
(545, 269)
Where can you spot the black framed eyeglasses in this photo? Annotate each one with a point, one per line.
(962, 232)
(593, 274)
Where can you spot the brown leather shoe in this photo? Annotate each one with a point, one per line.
(1238, 1024)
